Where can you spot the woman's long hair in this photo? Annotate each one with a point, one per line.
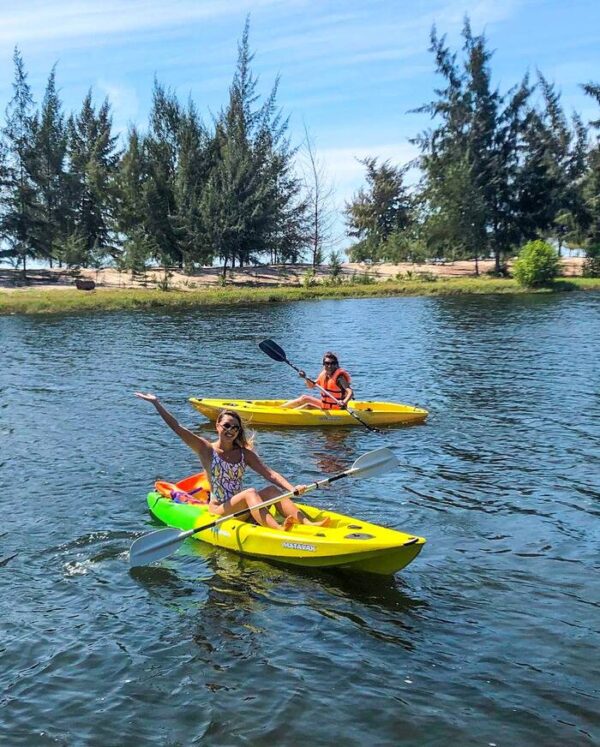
(243, 440)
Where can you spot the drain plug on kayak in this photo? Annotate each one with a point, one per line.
(358, 536)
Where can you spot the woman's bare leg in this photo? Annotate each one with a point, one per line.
(304, 399)
(291, 511)
(248, 499)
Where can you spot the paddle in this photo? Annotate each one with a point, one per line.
(163, 542)
(277, 353)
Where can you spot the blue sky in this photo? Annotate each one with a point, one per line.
(350, 71)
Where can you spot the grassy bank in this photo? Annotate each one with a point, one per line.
(54, 300)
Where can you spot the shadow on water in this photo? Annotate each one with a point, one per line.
(156, 577)
(380, 607)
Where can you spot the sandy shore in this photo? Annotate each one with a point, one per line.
(259, 276)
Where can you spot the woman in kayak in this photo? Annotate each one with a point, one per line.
(332, 379)
(225, 461)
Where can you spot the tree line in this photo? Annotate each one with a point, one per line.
(181, 194)
(495, 170)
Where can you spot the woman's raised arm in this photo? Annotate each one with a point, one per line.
(198, 444)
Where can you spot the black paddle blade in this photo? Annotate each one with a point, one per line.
(273, 350)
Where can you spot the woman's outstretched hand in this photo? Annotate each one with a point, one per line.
(148, 397)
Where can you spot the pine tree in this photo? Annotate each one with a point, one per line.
(252, 202)
(195, 159)
(20, 223)
(93, 161)
(383, 210)
(232, 200)
(591, 187)
(129, 185)
(131, 206)
(554, 163)
(449, 230)
(161, 147)
(49, 149)
(478, 140)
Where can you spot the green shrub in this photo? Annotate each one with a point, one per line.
(308, 279)
(537, 264)
(363, 278)
(427, 277)
(335, 267)
(165, 283)
(591, 264)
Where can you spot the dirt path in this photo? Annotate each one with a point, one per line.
(262, 275)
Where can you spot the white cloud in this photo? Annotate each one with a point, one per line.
(370, 34)
(34, 21)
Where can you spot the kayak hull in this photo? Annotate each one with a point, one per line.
(270, 412)
(346, 543)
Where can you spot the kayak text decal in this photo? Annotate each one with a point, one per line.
(298, 546)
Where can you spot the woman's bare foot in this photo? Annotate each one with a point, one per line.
(323, 523)
(289, 523)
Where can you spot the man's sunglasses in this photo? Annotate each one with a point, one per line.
(329, 363)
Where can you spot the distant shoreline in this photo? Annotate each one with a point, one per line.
(259, 276)
(50, 298)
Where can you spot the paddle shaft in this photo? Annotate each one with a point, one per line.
(270, 502)
(328, 394)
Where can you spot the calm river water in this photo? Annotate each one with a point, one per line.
(488, 638)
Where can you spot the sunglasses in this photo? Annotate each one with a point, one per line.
(329, 363)
(229, 426)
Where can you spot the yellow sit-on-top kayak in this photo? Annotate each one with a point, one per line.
(345, 543)
(270, 412)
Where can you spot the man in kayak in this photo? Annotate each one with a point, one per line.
(334, 384)
(225, 461)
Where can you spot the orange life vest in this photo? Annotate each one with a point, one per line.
(331, 385)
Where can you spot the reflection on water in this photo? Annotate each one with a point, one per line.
(334, 453)
(485, 638)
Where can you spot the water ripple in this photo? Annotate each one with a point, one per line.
(486, 638)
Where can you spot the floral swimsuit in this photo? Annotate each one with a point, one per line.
(225, 478)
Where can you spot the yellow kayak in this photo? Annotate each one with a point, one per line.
(345, 543)
(270, 412)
